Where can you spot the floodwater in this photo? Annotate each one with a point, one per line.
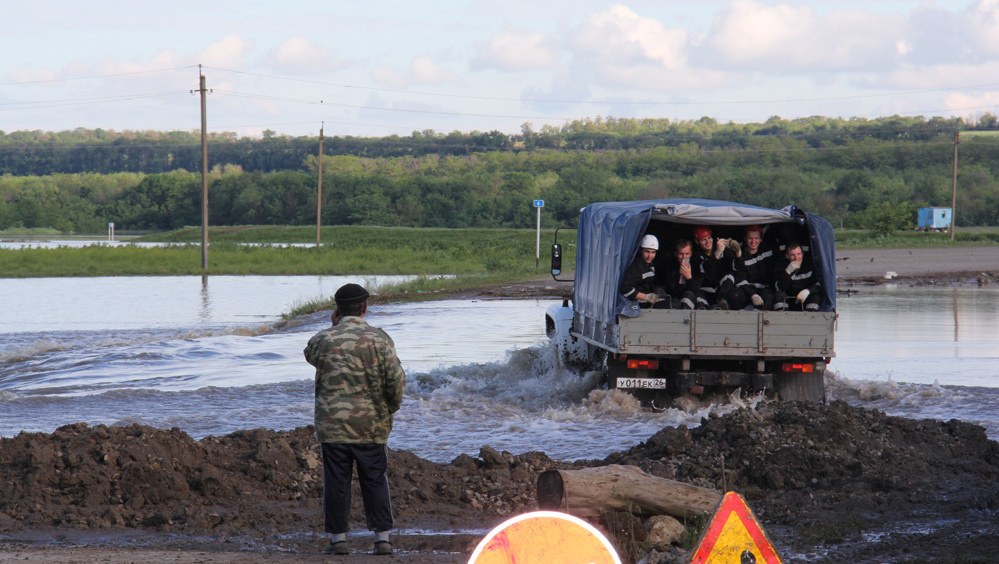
(210, 356)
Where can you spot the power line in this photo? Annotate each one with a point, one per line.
(615, 102)
(379, 108)
(11, 106)
(72, 78)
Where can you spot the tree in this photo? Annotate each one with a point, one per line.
(886, 218)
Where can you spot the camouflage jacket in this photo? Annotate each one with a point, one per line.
(359, 382)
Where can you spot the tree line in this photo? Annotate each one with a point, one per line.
(857, 173)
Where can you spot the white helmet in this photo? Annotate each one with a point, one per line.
(649, 242)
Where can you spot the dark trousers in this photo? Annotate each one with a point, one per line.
(745, 293)
(338, 470)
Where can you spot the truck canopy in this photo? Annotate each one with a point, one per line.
(609, 233)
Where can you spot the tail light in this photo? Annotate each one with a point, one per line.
(797, 367)
(636, 363)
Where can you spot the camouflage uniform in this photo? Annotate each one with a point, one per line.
(359, 382)
(359, 385)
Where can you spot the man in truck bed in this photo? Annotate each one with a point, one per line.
(638, 282)
(796, 286)
(680, 278)
(714, 260)
(754, 271)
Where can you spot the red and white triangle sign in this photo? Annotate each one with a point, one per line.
(734, 537)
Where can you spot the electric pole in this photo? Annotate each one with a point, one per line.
(953, 193)
(204, 171)
(319, 195)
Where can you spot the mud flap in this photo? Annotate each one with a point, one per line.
(801, 387)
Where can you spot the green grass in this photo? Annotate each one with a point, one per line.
(32, 233)
(503, 254)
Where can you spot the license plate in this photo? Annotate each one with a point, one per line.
(642, 383)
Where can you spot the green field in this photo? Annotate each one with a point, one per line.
(473, 257)
(480, 255)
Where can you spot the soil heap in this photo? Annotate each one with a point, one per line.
(820, 478)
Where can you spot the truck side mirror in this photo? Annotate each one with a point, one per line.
(556, 259)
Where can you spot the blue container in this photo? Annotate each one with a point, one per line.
(934, 218)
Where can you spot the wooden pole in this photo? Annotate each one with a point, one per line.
(204, 172)
(319, 194)
(953, 194)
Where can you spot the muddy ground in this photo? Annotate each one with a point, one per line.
(850, 484)
(829, 483)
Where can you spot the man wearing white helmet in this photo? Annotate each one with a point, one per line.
(637, 283)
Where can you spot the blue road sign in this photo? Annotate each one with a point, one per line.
(539, 203)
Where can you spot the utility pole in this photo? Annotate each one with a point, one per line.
(204, 171)
(319, 194)
(953, 193)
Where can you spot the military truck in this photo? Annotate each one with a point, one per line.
(661, 354)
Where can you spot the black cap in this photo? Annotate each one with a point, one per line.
(350, 294)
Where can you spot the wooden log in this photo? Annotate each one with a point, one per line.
(590, 492)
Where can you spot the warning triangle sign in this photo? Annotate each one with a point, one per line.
(734, 537)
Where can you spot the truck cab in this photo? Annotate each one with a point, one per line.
(660, 354)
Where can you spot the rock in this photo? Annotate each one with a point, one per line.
(663, 531)
(492, 459)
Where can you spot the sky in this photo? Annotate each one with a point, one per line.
(385, 67)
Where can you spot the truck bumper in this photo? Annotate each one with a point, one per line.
(686, 381)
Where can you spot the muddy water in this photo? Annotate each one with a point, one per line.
(206, 357)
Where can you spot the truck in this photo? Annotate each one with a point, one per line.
(662, 354)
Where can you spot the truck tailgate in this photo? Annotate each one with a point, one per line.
(728, 333)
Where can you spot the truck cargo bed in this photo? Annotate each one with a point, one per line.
(724, 333)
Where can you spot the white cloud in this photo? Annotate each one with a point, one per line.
(964, 104)
(982, 27)
(622, 35)
(422, 70)
(300, 56)
(750, 35)
(229, 52)
(622, 49)
(26, 75)
(942, 77)
(516, 50)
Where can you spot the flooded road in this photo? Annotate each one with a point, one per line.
(208, 359)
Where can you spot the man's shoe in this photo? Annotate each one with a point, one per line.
(339, 547)
(383, 547)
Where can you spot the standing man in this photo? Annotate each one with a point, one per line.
(359, 386)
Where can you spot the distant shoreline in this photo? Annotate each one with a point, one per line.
(861, 267)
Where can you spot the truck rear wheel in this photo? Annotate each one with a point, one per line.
(801, 387)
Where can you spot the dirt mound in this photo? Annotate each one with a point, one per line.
(249, 482)
(816, 476)
(828, 475)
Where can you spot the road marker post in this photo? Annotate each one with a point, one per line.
(538, 204)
